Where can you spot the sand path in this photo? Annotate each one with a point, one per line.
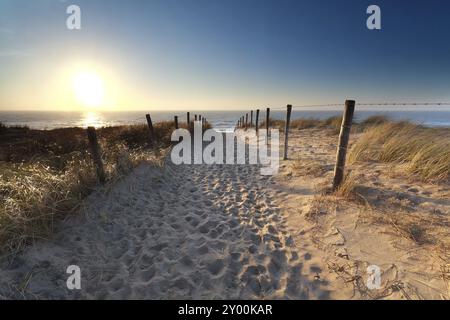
(189, 231)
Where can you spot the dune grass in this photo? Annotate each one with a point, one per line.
(333, 123)
(45, 174)
(374, 121)
(424, 151)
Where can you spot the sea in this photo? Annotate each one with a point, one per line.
(221, 120)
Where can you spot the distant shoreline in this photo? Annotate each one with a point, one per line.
(219, 119)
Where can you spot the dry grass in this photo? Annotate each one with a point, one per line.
(277, 124)
(306, 123)
(352, 189)
(348, 188)
(309, 168)
(320, 205)
(332, 123)
(374, 121)
(45, 175)
(424, 151)
(393, 209)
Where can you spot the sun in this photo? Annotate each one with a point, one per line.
(88, 88)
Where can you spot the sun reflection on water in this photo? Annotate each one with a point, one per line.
(92, 119)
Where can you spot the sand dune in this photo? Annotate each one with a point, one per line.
(177, 232)
(395, 221)
(208, 232)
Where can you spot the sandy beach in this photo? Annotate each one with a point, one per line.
(227, 232)
(225, 156)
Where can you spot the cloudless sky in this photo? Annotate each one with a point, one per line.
(224, 54)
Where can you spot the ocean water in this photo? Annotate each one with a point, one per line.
(221, 120)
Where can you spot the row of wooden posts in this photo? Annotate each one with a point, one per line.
(95, 146)
(197, 117)
(243, 122)
(344, 135)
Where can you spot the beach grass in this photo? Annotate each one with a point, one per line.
(424, 151)
(46, 174)
(333, 123)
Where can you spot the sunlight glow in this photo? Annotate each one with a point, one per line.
(92, 119)
(88, 88)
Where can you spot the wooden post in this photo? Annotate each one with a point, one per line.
(175, 118)
(257, 119)
(96, 154)
(251, 118)
(267, 123)
(150, 128)
(343, 143)
(246, 121)
(286, 131)
(188, 119)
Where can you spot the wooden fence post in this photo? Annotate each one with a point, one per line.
(96, 154)
(251, 118)
(267, 123)
(175, 118)
(150, 128)
(257, 119)
(188, 119)
(286, 131)
(343, 143)
(246, 121)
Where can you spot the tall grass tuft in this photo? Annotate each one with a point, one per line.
(45, 175)
(34, 194)
(424, 151)
(333, 123)
(374, 121)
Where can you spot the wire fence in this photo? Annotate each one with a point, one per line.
(328, 105)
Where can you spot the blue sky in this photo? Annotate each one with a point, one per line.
(211, 54)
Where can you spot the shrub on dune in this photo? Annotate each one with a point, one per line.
(47, 174)
(424, 151)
